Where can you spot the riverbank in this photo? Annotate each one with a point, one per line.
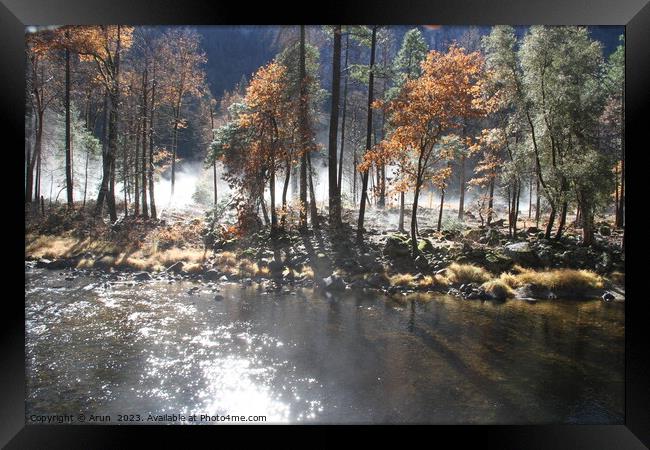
(471, 263)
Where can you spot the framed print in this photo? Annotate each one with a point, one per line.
(396, 214)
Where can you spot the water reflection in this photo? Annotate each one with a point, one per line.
(115, 348)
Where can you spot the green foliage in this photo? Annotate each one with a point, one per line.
(407, 62)
(214, 217)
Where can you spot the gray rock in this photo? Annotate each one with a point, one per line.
(276, 267)
(521, 253)
(421, 262)
(142, 276)
(211, 275)
(41, 263)
(333, 283)
(608, 296)
(377, 280)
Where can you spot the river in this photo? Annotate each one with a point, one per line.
(116, 348)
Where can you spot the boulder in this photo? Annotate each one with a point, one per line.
(397, 247)
(498, 262)
(421, 262)
(41, 263)
(276, 267)
(211, 275)
(359, 284)
(142, 276)
(473, 235)
(425, 245)
(521, 253)
(608, 296)
(333, 283)
(377, 280)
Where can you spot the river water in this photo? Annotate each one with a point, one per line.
(156, 348)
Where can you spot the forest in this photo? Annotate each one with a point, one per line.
(487, 162)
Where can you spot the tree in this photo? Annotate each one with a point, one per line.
(615, 86)
(450, 89)
(364, 179)
(104, 45)
(41, 80)
(407, 65)
(267, 109)
(184, 77)
(334, 187)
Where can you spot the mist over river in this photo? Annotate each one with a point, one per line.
(109, 347)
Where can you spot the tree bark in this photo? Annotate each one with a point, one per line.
(561, 224)
(143, 162)
(364, 180)
(303, 132)
(313, 210)
(68, 140)
(334, 192)
(151, 171)
(414, 214)
(461, 201)
(345, 101)
(442, 203)
(400, 226)
(490, 202)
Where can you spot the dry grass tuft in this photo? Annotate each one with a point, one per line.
(467, 273)
(402, 279)
(430, 281)
(226, 259)
(576, 281)
(498, 289)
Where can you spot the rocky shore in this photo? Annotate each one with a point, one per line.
(480, 263)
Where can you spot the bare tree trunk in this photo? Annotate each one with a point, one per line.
(174, 144)
(345, 101)
(620, 216)
(530, 198)
(560, 226)
(68, 140)
(364, 180)
(143, 162)
(461, 201)
(401, 212)
(537, 205)
(549, 225)
(35, 157)
(151, 171)
(285, 188)
(334, 191)
(490, 202)
(313, 211)
(86, 178)
(414, 214)
(107, 189)
(442, 204)
(303, 132)
(274, 217)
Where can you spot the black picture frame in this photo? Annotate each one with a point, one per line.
(634, 14)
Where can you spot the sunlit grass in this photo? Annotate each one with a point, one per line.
(577, 281)
(466, 273)
(498, 289)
